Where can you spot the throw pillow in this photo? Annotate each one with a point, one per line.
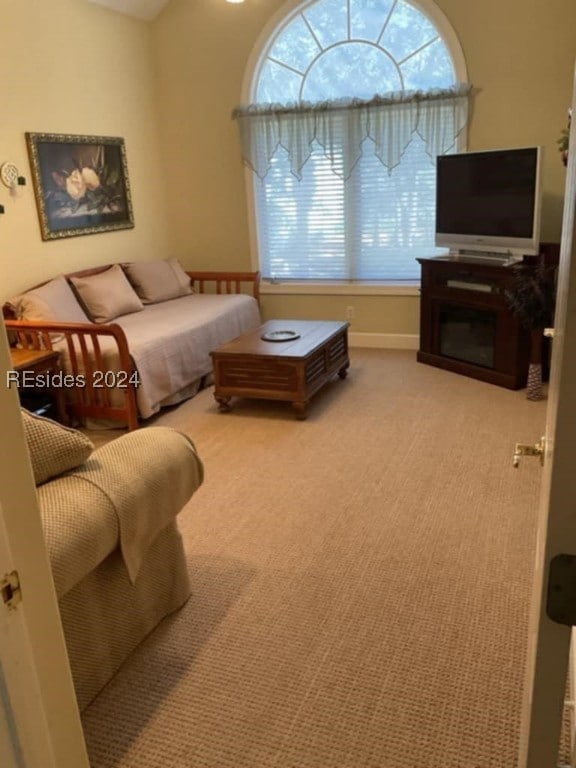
(156, 281)
(53, 448)
(107, 294)
(54, 300)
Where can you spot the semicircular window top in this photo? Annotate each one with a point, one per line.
(342, 48)
(352, 101)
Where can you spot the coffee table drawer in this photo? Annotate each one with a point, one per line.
(247, 377)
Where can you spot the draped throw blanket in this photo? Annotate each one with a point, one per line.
(390, 120)
(145, 501)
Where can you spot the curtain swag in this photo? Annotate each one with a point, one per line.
(390, 120)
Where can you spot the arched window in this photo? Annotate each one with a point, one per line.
(352, 101)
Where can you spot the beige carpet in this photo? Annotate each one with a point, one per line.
(361, 584)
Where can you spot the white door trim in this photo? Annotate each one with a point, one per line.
(548, 641)
(39, 693)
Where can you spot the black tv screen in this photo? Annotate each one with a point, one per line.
(489, 200)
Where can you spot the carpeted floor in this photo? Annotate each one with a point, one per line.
(361, 584)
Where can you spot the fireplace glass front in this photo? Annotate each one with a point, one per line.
(468, 334)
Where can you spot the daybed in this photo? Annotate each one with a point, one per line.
(133, 337)
(109, 520)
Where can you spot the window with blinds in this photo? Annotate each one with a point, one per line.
(373, 226)
(375, 222)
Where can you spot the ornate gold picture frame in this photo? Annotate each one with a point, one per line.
(81, 184)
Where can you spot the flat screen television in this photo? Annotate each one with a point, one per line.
(489, 202)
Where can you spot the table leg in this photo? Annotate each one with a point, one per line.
(300, 408)
(59, 401)
(223, 403)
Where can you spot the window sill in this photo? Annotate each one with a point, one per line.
(340, 289)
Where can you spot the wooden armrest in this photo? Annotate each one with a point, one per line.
(84, 359)
(226, 282)
(37, 334)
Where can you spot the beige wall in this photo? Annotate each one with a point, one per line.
(71, 66)
(520, 56)
(68, 66)
(394, 315)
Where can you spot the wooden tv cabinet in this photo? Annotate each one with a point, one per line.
(465, 323)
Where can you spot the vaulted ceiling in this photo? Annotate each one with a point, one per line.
(140, 9)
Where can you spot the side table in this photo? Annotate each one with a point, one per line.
(37, 369)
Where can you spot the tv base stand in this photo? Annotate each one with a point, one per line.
(465, 323)
(488, 257)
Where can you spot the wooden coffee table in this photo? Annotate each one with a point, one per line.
(281, 370)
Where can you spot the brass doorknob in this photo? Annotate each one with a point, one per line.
(523, 449)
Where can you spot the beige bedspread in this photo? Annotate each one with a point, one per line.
(170, 343)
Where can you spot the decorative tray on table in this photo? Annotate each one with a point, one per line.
(280, 336)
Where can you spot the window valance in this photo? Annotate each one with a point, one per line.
(390, 120)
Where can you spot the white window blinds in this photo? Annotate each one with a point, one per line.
(347, 192)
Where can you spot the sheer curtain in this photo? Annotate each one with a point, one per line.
(345, 189)
(390, 121)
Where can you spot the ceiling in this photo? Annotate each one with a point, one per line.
(140, 9)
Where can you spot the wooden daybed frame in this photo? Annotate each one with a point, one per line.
(85, 356)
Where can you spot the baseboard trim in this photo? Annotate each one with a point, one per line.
(384, 340)
(570, 702)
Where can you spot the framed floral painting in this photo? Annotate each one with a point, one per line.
(81, 184)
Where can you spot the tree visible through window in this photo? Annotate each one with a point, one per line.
(345, 214)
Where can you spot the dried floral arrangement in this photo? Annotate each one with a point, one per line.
(564, 140)
(531, 294)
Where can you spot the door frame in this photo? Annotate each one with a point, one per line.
(38, 701)
(548, 656)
